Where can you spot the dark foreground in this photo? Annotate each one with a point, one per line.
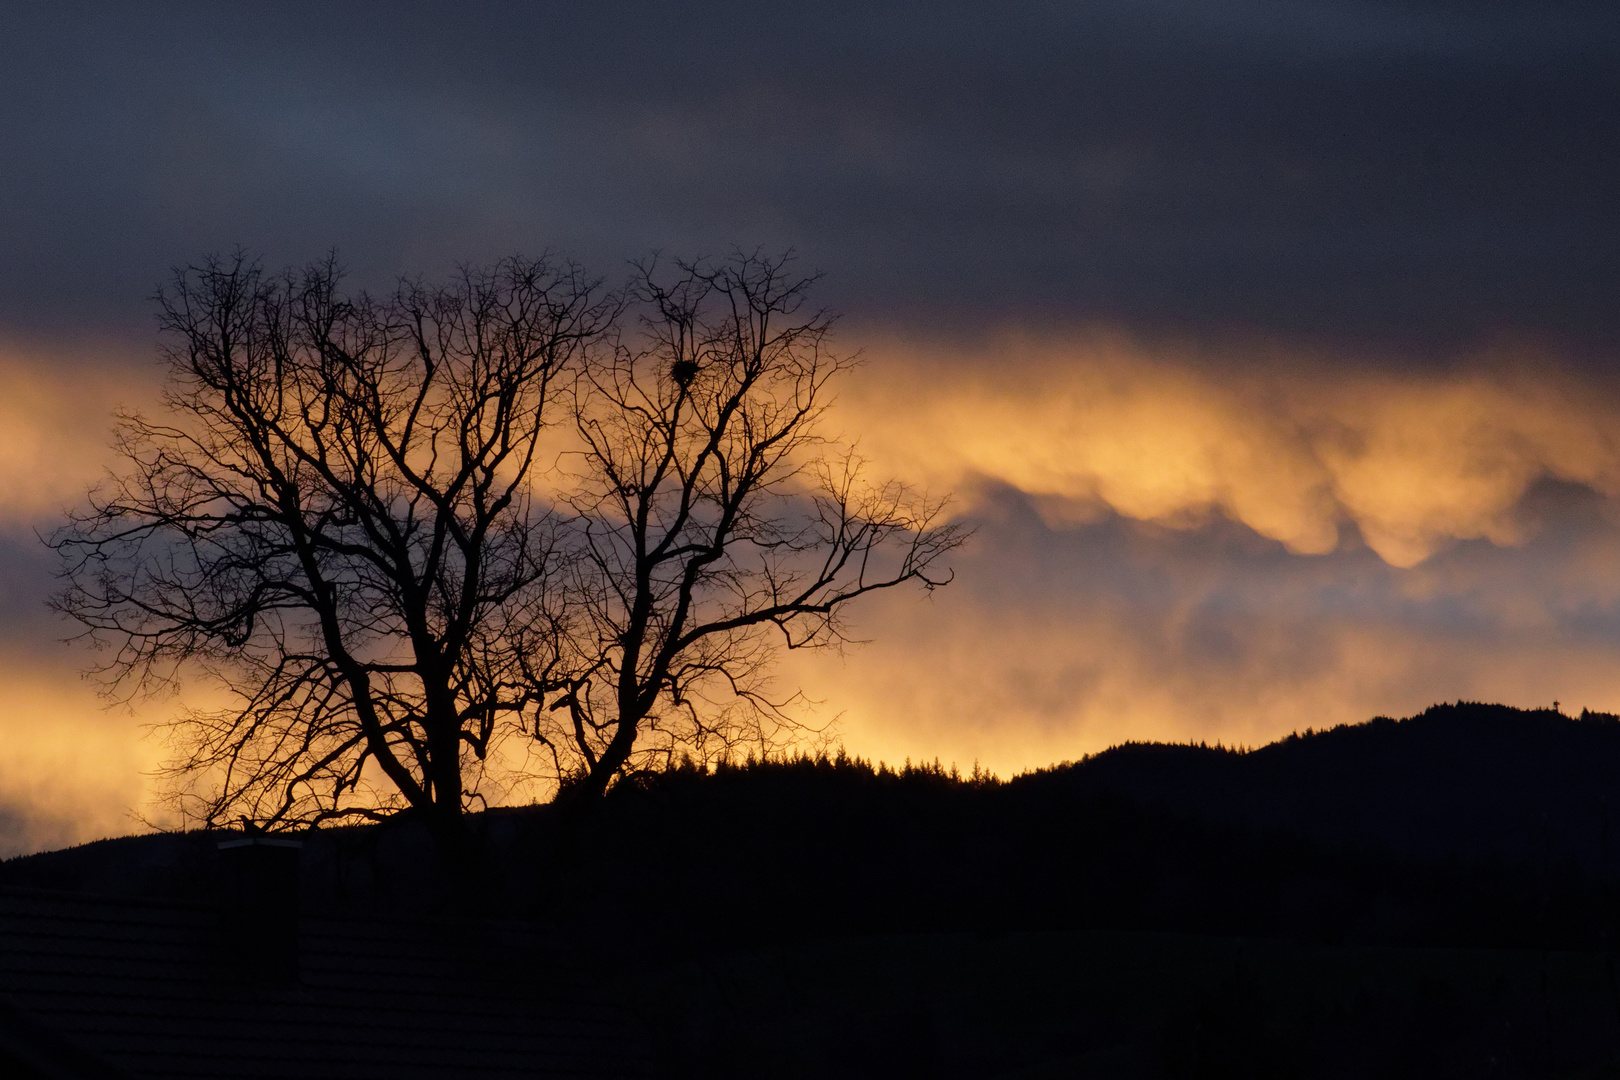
(1433, 897)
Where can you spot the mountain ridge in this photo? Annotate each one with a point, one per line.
(1465, 824)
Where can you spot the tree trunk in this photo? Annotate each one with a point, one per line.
(596, 782)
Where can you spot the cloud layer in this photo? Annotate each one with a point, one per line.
(1296, 451)
(1061, 640)
(56, 406)
(1172, 545)
(1423, 171)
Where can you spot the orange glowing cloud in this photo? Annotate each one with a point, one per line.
(1055, 644)
(56, 427)
(1414, 461)
(71, 770)
(1166, 552)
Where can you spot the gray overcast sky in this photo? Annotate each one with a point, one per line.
(1409, 173)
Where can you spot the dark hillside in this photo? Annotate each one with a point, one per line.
(1465, 825)
(1432, 897)
(1178, 839)
(1465, 781)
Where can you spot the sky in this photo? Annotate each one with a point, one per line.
(1271, 347)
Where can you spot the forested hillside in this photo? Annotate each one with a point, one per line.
(1415, 897)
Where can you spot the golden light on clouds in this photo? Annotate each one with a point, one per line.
(1125, 609)
(1167, 551)
(960, 679)
(71, 770)
(56, 427)
(1415, 461)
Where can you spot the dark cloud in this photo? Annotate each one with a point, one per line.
(1414, 173)
(27, 579)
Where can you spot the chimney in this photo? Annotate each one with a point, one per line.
(259, 906)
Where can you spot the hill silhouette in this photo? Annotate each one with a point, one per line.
(1466, 781)
(1468, 823)
(1449, 877)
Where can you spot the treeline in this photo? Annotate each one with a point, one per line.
(1152, 911)
(1364, 835)
(1467, 825)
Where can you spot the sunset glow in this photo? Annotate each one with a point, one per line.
(1414, 462)
(1276, 401)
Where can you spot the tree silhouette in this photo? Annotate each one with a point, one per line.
(718, 522)
(336, 521)
(405, 534)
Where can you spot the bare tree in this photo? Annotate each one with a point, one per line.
(716, 523)
(337, 520)
(352, 518)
